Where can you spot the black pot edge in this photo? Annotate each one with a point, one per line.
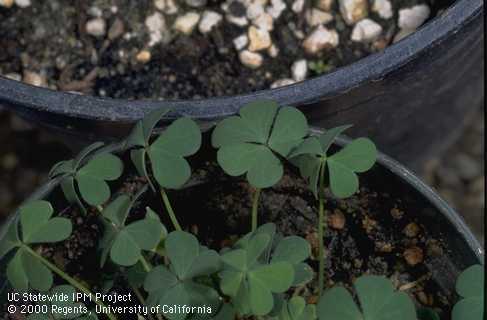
(368, 69)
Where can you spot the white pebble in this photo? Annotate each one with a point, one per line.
(353, 11)
(238, 21)
(320, 39)
(209, 20)
(298, 6)
(259, 39)
(276, 8)
(315, 17)
(96, 27)
(412, 18)
(250, 59)
(366, 30)
(14, 76)
(241, 41)
(383, 8)
(23, 3)
(282, 83)
(299, 70)
(254, 10)
(156, 24)
(186, 23)
(264, 21)
(167, 6)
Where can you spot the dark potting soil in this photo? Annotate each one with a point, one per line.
(369, 233)
(47, 44)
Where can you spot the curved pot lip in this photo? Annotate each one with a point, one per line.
(383, 160)
(370, 68)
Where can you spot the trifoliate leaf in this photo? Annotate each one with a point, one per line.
(311, 158)
(39, 227)
(177, 286)
(167, 154)
(92, 177)
(142, 130)
(253, 141)
(470, 286)
(295, 250)
(377, 298)
(25, 271)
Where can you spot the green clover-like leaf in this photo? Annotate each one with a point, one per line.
(167, 153)
(378, 301)
(251, 280)
(356, 157)
(25, 270)
(61, 310)
(296, 309)
(9, 237)
(90, 178)
(126, 242)
(252, 142)
(470, 286)
(177, 285)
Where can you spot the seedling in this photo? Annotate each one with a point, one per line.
(251, 275)
(126, 242)
(254, 143)
(166, 154)
(378, 301)
(312, 159)
(178, 285)
(470, 286)
(90, 178)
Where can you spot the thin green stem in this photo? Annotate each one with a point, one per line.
(321, 230)
(66, 277)
(145, 264)
(255, 207)
(170, 211)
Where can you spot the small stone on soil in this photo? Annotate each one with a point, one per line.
(412, 18)
(259, 39)
(187, 22)
(282, 83)
(298, 6)
(196, 3)
(6, 3)
(254, 10)
(324, 4)
(320, 39)
(209, 20)
(23, 3)
(143, 56)
(383, 8)
(366, 30)
(264, 21)
(315, 17)
(251, 59)
(241, 42)
(96, 27)
(411, 230)
(337, 220)
(299, 70)
(156, 24)
(116, 29)
(353, 11)
(34, 79)
(276, 8)
(413, 256)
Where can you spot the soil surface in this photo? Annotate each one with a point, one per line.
(135, 49)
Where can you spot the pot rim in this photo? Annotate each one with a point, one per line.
(370, 68)
(391, 165)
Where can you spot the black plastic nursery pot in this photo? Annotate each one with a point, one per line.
(461, 249)
(412, 98)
